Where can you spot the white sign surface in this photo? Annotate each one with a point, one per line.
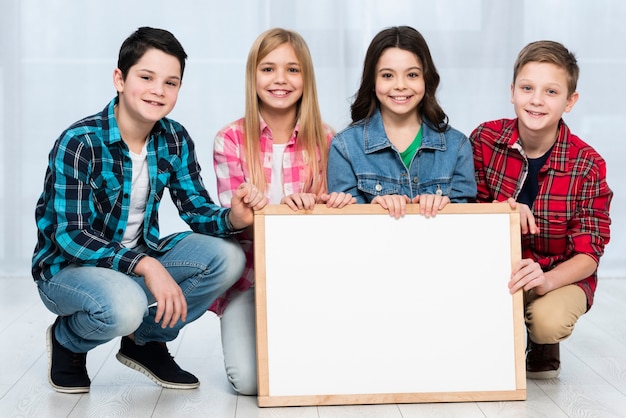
(366, 304)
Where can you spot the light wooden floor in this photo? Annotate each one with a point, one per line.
(592, 381)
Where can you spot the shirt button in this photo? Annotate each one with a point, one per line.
(415, 180)
(126, 195)
(120, 231)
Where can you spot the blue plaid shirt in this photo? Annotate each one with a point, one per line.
(83, 210)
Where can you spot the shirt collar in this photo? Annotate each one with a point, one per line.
(109, 123)
(111, 129)
(265, 129)
(375, 138)
(558, 157)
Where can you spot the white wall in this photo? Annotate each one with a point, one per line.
(57, 59)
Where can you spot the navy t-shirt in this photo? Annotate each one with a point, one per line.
(531, 185)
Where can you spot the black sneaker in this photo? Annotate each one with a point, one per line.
(67, 371)
(155, 361)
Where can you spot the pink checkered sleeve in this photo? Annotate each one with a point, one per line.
(229, 160)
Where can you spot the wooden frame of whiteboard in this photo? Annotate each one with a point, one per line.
(294, 369)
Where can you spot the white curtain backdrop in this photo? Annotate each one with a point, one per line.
(57, 58)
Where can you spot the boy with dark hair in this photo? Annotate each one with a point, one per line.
(559, 184)
(99, 262)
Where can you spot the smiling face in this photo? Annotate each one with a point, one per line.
(540, 97)
(150, 89)
(279, 83)
(400, 83)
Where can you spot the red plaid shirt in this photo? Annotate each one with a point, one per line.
(572, 205)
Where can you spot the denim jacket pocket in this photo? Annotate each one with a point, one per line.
(378, 186)
(440, 186)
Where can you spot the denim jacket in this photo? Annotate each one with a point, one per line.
(364, 163)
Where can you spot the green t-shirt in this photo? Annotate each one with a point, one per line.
(407, 154)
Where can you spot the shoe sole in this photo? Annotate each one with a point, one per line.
(61, 389)
(544, 375)
(128, 362)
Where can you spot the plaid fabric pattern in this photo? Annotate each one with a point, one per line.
(231, 170)
(82, 212)
(572, 206)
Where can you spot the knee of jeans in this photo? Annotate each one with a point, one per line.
(233, 253)
(126, 317)
(233, 260)
(243, 383)
(224, 256)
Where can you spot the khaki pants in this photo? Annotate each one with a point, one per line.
(551, 318)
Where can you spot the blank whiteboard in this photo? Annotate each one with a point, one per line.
(356, 307)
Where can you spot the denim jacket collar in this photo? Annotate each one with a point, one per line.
(375, 138)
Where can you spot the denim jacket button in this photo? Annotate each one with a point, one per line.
(415, 180)
(378, 187)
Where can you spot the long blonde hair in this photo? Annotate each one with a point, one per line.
(311, 141)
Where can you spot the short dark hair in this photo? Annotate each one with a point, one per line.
(408, 39)
(145, 38)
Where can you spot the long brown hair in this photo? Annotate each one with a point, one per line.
(311, 141)
(408, 39)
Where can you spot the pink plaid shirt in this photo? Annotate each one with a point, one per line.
(231, 170)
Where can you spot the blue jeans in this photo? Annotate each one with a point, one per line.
(239, 342)
(97, 304)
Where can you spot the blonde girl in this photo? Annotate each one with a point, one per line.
(281, 147)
